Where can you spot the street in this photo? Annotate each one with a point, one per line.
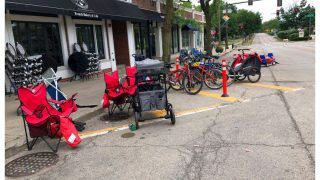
(262, 131)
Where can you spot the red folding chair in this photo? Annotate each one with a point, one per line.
(129, 85)
(119, 94)
(43, 120)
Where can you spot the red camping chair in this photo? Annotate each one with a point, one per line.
(43, 120)
(119, 94)
(129, 85)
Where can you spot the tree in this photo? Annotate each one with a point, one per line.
(252, 22)
(166, 34)
(208, 11)
(296, 16)
(270, 25)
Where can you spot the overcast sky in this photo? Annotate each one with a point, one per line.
(267, 8)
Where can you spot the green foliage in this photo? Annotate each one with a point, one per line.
(270, 25)
(295, 37)
(198, 8)
(286, 34)
(186, 5)
(295, 16)
(252, 22)
(180, 20)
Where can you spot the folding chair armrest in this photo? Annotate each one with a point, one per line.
(56, 101)
(26, 110)
(74, 95)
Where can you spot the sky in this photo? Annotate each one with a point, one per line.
(267, 8)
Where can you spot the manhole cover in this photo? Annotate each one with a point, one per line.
(115, 117)
(30, 164)
(128, 135)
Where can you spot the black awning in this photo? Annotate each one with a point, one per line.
(109, 9)
(188, 27)
(152, 15)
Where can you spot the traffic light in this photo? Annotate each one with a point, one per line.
(250, 2)
(278, 13)
(279, 3)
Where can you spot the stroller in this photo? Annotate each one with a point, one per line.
(119, 92)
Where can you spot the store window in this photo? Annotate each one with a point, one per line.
(137, 38)
(144, 44)
(175, 39)
(38, 38)
(185, 39)
(198, 39)
(92, 36)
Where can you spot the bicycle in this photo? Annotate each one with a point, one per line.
(174, 78)
(192, 80)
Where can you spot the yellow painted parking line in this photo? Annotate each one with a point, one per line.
(158, 113)
(99, 132)
(218, 96)
(197, 110)
(270, 86)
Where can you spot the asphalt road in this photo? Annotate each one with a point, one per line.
(267, 134)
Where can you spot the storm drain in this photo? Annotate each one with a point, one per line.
(30, 164)
(127, 135)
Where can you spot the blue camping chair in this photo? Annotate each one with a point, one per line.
(270, 55)
(263, 57)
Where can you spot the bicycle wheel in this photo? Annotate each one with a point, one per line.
(254, 77)
(175, 80)
(213, 79)
(231, 75)
(192, 82)
(240, 77)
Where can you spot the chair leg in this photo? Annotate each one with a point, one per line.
(55, 150)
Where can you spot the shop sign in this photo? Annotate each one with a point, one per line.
(87, 15)
(301, 33)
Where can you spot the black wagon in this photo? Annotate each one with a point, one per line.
(151, 91)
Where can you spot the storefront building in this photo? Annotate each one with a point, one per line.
(114, 29)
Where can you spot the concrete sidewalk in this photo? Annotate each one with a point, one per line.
(90, 92)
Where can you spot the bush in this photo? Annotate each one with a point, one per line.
(270, 33)
(291, 31)
(287, 33)
(295, 37)
(219, 49)
(282, 34)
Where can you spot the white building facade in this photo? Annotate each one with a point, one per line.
(115, 33)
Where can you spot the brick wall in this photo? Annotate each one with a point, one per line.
(145, 4)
